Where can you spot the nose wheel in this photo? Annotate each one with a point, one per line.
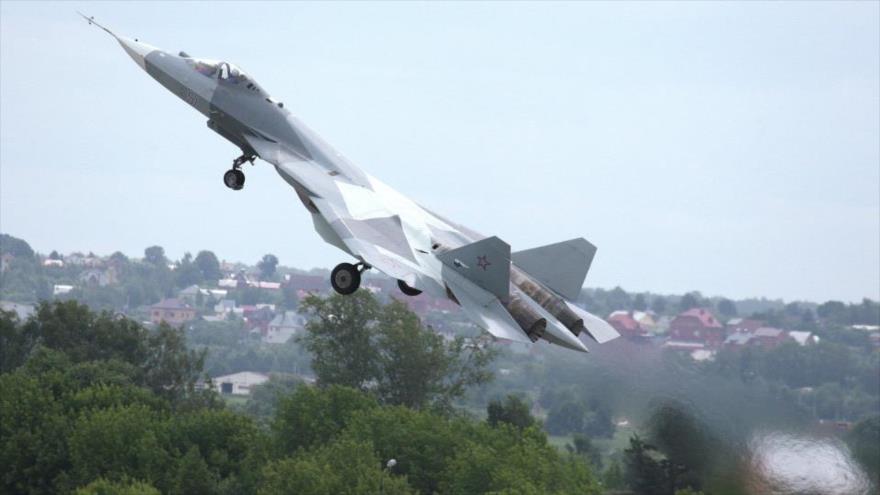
(346, 278)
(234, 177)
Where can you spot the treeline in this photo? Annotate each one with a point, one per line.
(150, 279)
(94, 403)
(137, 282)
(792, 315)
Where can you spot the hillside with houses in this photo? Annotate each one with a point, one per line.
(747, 362)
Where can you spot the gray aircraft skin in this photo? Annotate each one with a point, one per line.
(521, 296)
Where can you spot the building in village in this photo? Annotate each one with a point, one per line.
(697, 325)
(239, 383)
(627, 325)
(172, 311)
(284, 326)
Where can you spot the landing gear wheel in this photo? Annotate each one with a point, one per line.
(345, 278)
(234, 179)
(406, 289)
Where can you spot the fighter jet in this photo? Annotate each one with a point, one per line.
(519, 296)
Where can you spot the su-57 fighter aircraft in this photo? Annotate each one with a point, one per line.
(521, 296)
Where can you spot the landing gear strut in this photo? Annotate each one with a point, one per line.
(234, 177)
(346, 278)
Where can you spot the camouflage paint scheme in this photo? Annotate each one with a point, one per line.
(519, 296)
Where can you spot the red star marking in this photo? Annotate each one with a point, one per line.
(483, 262)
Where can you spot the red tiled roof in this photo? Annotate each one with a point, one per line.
(623, 320)
(705, 317)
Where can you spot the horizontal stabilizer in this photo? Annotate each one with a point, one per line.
(596, 327)
(486, 263)
(562, 266)
(485, 309)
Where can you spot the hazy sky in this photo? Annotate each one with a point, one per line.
(731, 148)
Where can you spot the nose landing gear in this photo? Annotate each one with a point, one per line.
(234, 177)
(346, 278)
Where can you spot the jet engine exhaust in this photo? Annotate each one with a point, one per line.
(554, 304)
(532, 324)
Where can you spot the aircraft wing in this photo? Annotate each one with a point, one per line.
(345, 213)
(484, 309)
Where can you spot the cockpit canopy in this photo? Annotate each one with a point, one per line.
(224, 72)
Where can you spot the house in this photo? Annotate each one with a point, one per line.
(88, 261)
(645, 318)
(697, 325)
(172, 311)
(192, 293)
(257, 317)
(239, 383)
(53, 263)
(626, 325)
(59, 289)
(738, 340)
(95, 277)
(225, 306)
(803, 338)
(743, 325)
(306, 283)
(284, 326)
(769, 337)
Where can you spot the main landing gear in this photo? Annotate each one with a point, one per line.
(346, 278)
(234, 177)
(406, 289)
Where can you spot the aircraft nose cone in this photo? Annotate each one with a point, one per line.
(136, 50)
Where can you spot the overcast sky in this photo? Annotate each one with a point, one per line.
(731, 148)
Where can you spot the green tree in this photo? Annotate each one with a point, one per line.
(690, 300)
(833, 311)
(267, 266)
(613, 477)
(567, 417)
(208, 265)
(33, 429)
(645, 471)
(193, 475)
(658, 304)
(413, 360)
(119, 258)
(583, 446)
(119, 443)
(864, 441)
(155, 255)
(264, 398)
(340, 467)
(102, 486)
(640, 303)
(15, 246)
(341, 338)
(513, 410)
(187, 273)
(311, 416)
(617, 298)
(14, 343)
(727, 308)
(418, 367)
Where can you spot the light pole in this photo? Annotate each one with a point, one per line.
(388, 465)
